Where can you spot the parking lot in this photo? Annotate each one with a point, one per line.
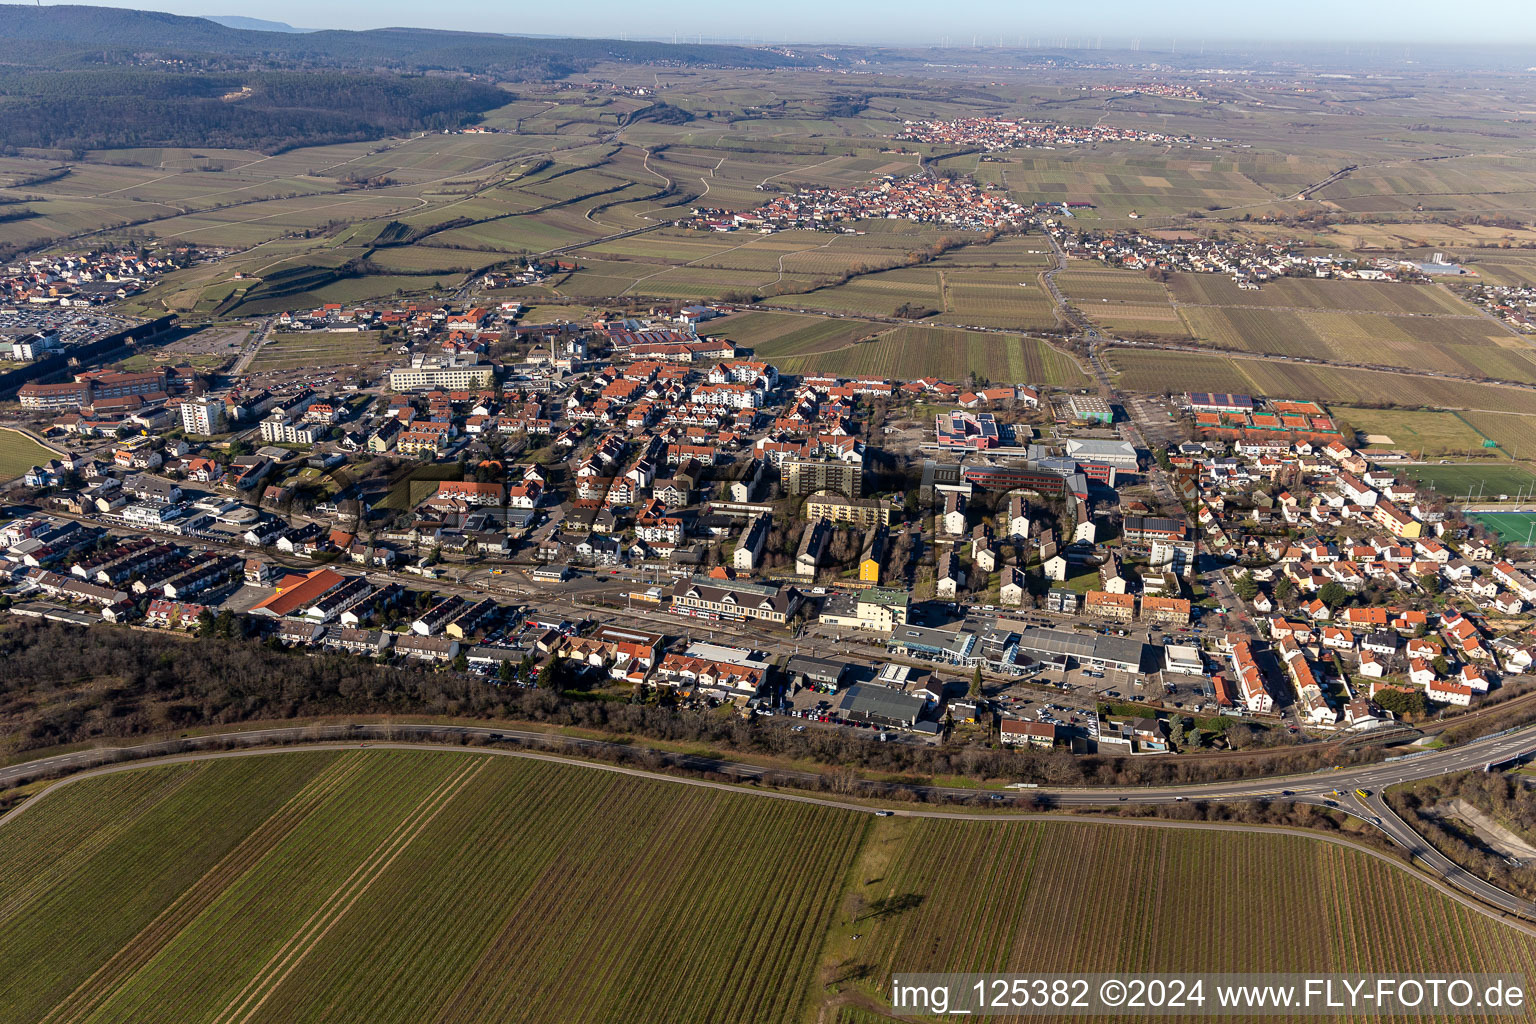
(75, 327)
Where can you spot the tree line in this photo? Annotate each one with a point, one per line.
(67, 684)
(1431, 808)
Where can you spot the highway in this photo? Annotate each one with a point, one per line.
(1333, 788)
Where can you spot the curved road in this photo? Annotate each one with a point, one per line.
(1501, 912)
(1332, 788)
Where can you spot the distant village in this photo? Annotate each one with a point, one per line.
(1515, 304)
(1249, 262)
(995, 133)
(53, 302)
(917, 198)
(1166, 90)
(86, 279)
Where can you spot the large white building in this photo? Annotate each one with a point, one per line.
(279, 431)
(202, 417)
(416, 378)
(731, 395)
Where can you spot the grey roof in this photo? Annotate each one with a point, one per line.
(819, 669)
(490, 653)
(869, 699)
(1080, 448)
(955, 644)
(742, 593)
(1116, 650)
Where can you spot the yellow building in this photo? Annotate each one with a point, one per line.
(838, 509)
(873, 556)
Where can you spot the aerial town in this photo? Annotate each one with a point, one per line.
(647, 507)
(1515, 304)
(565, 515)
(1166, 90)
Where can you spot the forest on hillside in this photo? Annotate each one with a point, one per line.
(265, 111)
(62, 35)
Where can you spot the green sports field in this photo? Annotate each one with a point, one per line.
(19, 453)
(1512, 527)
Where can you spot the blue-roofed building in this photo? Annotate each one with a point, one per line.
(1201, 401)
(961, 429)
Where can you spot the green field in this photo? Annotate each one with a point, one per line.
(1305, 292)
(1100, 286)
(1486, 479)
(1010, 298)
(778, 335)
(419, 484)
(1056, 898)
(1515, 433)
(402, 886)
(874, 294)
(410, 887)
(319, 348)
(1430, 434)
(906, 353)
(1511, 527)
(1471, 345)
(19, 453)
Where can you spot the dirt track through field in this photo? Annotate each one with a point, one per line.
(303, 942)
(170, 922)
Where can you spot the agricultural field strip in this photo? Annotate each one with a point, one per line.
(175, 917)
(1437, 388)
(303, 942)
(57, 941)
(1331, 309)
(802, 918)
(388, 192)
(1340, 841)
(665, 834)
(722, 252)
(498, 828)
(19, 887)
(266, 903)
(19, 452)
(957, 926)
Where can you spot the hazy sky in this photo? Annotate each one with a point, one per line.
(1116, 22)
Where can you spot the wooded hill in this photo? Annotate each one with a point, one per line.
(267, 111)
(75, 35)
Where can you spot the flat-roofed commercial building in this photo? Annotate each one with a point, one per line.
(1090, 409)
(880, 706)
(880, 609)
